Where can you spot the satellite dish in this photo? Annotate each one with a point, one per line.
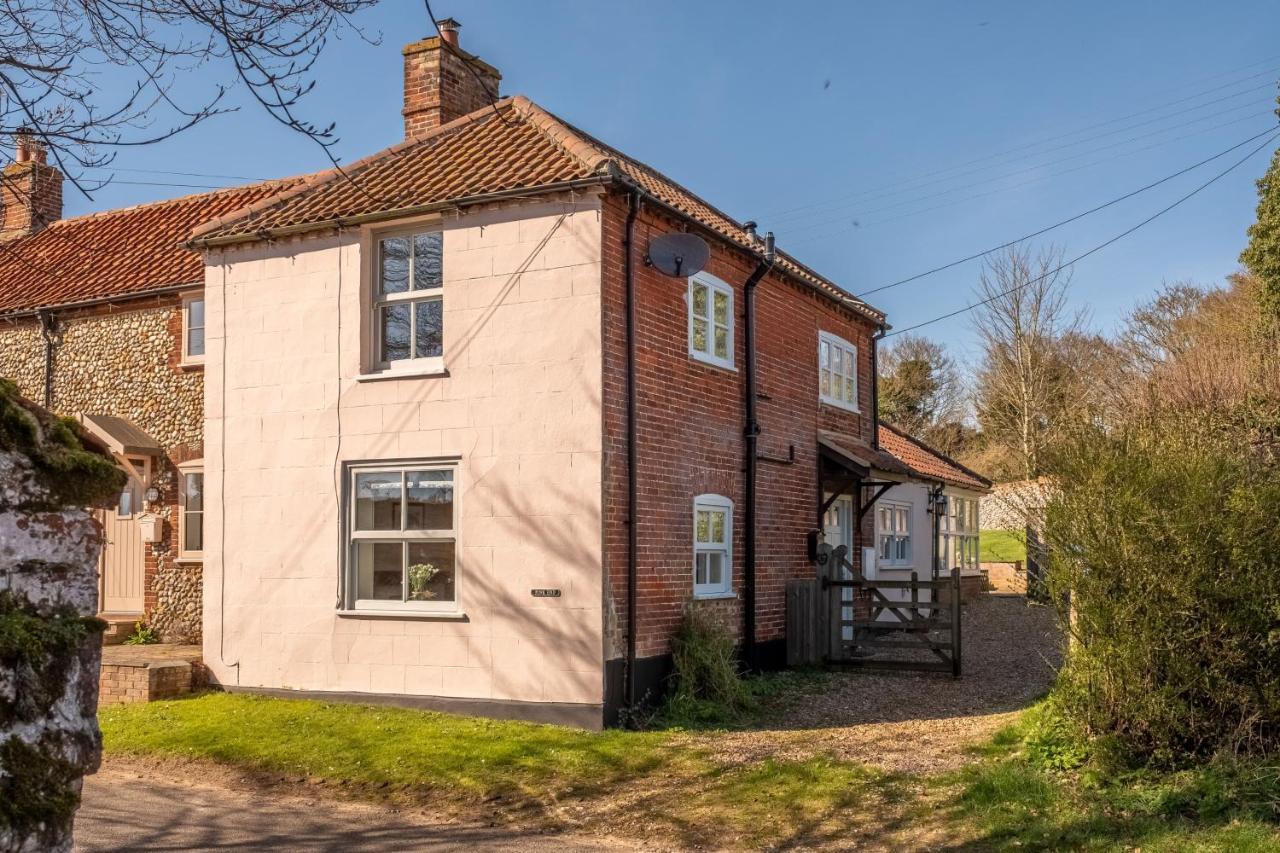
(678, 254)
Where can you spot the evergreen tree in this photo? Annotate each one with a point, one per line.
(1262, 254)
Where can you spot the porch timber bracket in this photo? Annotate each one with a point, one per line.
(881, 488)
(841, 488)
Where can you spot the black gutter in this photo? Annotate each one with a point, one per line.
(751, 434)
(632, 515)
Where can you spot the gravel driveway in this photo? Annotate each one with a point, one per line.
(919, 722)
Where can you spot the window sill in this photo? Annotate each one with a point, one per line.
(188, 560)
(835, 404)
(727, 367)
(191, 365)
(714, 596)
(430, 615)
(422, 373)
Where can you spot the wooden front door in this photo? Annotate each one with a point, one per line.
(121, 565)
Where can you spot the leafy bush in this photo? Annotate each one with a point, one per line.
(1165, 543)
(706, 685)
(1051, 742)
(143, 635)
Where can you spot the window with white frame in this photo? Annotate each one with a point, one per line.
(837, 371)
(893, 527)
(959, 534)
(190, 510)
(712, 545)
(710, 320)
(193, 330)
(402, 537)
(408, 301)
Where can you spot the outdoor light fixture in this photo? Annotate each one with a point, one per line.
(153, 494)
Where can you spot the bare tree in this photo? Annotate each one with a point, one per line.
(54, 54)
(1024, 382)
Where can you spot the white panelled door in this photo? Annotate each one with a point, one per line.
(837, 529)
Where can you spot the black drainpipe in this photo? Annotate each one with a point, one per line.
(751, 432)
(875, 387)
(632, 516)
(48, 331)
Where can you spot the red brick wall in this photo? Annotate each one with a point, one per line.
(690, 424)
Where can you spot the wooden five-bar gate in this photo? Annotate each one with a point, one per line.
(843, 618)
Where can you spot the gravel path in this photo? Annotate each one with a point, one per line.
(918, 722)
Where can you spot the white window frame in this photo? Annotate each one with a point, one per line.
(195, 466)
(188, 358)
(138, 471)
(831, 342)
(958, 533)
(713, 286)
(897, 510)
(353, 537)
(724, 589)
(377, 300)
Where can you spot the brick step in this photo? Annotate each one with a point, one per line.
(119, 627)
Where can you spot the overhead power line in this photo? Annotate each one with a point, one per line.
(1098, 248)
(790, 212)
(1268, 132)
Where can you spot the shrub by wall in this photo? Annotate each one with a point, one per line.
(1166, 545)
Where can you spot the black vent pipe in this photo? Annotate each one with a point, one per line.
(751, 434)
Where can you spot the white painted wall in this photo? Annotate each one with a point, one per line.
(521, 407)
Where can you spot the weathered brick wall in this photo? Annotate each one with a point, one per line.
(129, 683)
(127, 361)
(690, 425)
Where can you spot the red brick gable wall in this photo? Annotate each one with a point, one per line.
(690, 419)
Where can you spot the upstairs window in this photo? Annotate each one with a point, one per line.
(711, 320)
(837, 372)
(408, 301)
(893, 523)
(193, 330)
(712, 545)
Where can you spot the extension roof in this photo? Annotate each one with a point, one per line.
(927, 462)
(127, 252)
(508, 149)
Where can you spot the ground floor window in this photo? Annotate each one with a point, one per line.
(893, 529)
(958, 545)
(402, 537)
(191, 510)
(712, 545)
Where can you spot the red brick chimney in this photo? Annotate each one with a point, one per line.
(438, 87)
(30, 189)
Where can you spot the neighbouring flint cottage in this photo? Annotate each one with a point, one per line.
(101, 318)
(462, 443)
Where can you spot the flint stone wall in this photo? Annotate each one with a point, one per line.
(50, 642)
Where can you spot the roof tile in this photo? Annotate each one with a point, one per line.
(927, 462)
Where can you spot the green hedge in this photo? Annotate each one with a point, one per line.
(1166, 542)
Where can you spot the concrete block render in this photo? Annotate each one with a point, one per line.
(507, 429)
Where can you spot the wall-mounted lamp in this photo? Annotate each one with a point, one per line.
(153, 494)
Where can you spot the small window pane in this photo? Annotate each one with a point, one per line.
(426, 260)
(193, 532)
(721, 308)
(394, 277)
(380, 571)
(715, 569)
(395, 332)
(704, 526)
(824, 355)
(700, 300)
(193, 488)
(722, 342)
(700, 335)
(717, 527)
(378, 501)
(431, 571)
(826, 382)
(848, 390)
(429, 322)
(195, 341)
(125, 507)
(429, 502)
(700, 569)
(886, 547)
(195, 313)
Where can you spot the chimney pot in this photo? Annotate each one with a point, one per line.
(448, 28)
(31, 192)
(443, 82)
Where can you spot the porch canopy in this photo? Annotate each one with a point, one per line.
(121, 436)
(847, 465)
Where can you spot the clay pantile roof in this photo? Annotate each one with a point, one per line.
(124, 252)
(927, 462)
(517, 146)
(862, 455)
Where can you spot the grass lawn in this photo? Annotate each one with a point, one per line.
(1001, 546)
(632, 783)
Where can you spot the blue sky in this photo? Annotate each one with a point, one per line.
(877, 139)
